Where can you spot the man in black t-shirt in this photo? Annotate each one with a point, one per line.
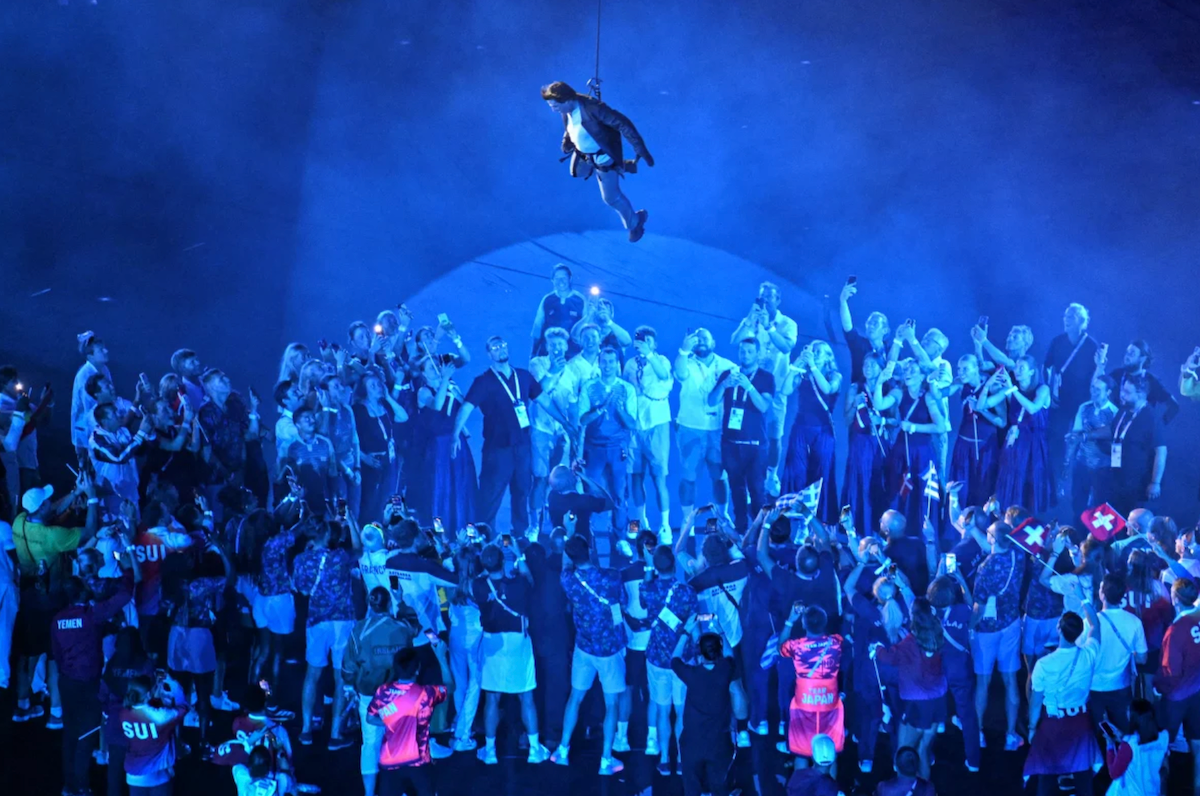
(564, 497)
(745, 393)
(1069, 365)
(861, 345)
(503, 394)
(1139, 450)
(912, 555)
(705, 745)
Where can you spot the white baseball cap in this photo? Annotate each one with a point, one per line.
(823, 750)
(33, 499)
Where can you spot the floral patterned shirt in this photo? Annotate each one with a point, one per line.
(599, 623)
(683, 603)
(274, 579)
(324, 575)
(999, 576)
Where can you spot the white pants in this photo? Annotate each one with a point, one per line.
(9, 598)
(466, 665)
(372, 737)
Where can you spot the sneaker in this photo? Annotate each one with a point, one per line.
(610, 765)
(101, 757)
(663, 768)
(743, 740)
(972, 769)
(222, 702)
(21, 715)
(339, 743)
(538, 754)
(621, 744)
(759, 729)
(487, 756)
(560, 756)
(439, 751)
(865, 766)
(192, 719)
(1013, 742)
(54, 722)
(279, 714)
(956, 721)
(941, 728)
(465, 744)
(774, 486)
(652, 747)
(635, 234)
(306, 738)
(327, 700)
(782, 728)
(782, 748)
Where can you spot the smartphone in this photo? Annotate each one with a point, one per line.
(758, 302)
(892, 570)
(689, 331)
(595, 291)
(396, 500)
(847, 512)
(983, 321)
(850, 280)
(951, 563)
(710, 525)
(20, 387)
(635, 525)
(437, 525)
(506, 540)
(705, 617)
(433, 637)
(322, 343)
(910, 322)
(443, 319)
(1109, 730)
(570, 515)
(379, 329)
(471, 532)
(798, 605)
(1103, 350)
(116, 555)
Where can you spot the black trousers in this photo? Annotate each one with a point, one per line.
(747, 469)
(1110, 705)
(552, 651)
(1079, 784)
(410, 780)
(81, 715)
(705, 769)
(506, 468)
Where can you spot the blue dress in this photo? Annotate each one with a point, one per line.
(864, 490)
(1024, 473)
(442, 486)
(974, 457)
(908, 462)
(811, 448)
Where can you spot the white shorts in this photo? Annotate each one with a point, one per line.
(610, 668)
(507, 663)
(1037, 634)
(276, 613)
(327, 638)
(665, 686)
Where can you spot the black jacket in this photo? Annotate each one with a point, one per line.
(606, 126)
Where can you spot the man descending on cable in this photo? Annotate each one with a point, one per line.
(593, 140)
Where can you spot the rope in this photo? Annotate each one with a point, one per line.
(594, 84)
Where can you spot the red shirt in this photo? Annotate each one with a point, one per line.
(817, 661)
(405, 709)
(75, 634)
(1179, 676)
(920, 675)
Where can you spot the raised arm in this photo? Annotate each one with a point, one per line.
(844, 307)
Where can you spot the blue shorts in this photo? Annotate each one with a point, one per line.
(1000, 650)
(1038, 634)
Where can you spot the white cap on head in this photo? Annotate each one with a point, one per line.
(823, 750)
(33, 499)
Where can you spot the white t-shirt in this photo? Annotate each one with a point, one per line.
(1065, 676)
(562, 395)
(1112, 664)
(1065, 585)
(652, 392)
(578, 373)
(6, 544)
(248, 786)
(694, 411)
(581, 138)
(1143, 777)
(372, 566)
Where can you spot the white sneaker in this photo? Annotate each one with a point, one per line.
(222, 702)
(664, 536)
(956, 721)
(538, 754)
(487, 756)
(865, 766)
(743, 740)
(610, 766)
(192, 719)
(774, 486)
(439, 751)
(465, 745)
(941, 728)
(652, 747)
(621, 744)
(560, 756)
(759, 729)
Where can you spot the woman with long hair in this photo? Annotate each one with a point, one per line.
(810, 453)
(1135, 762)
(466, 635)
(150, 715)
(918, 660)
(445, 485)
(1150, 601)
(129, 661)
(1024, 476)
(376, 416)
(863, 489)
(294, 357)
(912, 454)
(951, 599)
(973, 459)
(1083, 579)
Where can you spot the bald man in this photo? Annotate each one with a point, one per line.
(697, 367)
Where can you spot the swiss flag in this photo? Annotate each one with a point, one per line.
(1031, 535)
(1103, 522)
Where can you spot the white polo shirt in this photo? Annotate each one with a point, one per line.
(652, 392)
(694, 411)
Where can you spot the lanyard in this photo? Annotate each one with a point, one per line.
(496, 596)
(516, 399)
(590, 590)
(1071, 358)
(1119, 432)
(821, 400)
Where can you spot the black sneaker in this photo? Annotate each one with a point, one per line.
(339, 743)
(639, 228)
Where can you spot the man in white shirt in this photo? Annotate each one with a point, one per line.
(607, 419)
(650, 374)
(1122, 645)
(82, 404)
(550, 440)
(776, 335)
(592, 137)
(1062, 743)
(696, 368)
(584, 366)
(288, 398)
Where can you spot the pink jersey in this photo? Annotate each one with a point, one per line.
(405, 709)
(817, 661)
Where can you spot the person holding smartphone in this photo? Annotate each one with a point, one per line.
(872, 341)
(608, 412)
(816, 707)
(705, 749)
(745, 395)
(405, 708)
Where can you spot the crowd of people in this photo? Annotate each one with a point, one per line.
(811, 606)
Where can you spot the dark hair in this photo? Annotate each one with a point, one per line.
(808, 560)
(908, 762)
(1112, 589)
(261, 762)
(926, 627)
(405, 664)
(129, 652)
(92, 385)
(1184, 590)
(715, 550)
(1144, 347)
(76, 590)
(610, 349)
(943, 592)
(139, 690)
(380, 600)
(559, 92)
(646, 540)
(710, 647)
(281, 391)
(104, 411)
(642, 332)
(492, 558)
(1139, 382)
(302, 412)
(1071, 626)
(815, 620)
(780, 530)
(356, 325)
(577, 551)
(1107, 381)
(7, 374)
(406, 533)
(560, 266)
(1141, 717)
(664, 559)
(178, 357)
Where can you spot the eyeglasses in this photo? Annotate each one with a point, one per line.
(497, 346)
